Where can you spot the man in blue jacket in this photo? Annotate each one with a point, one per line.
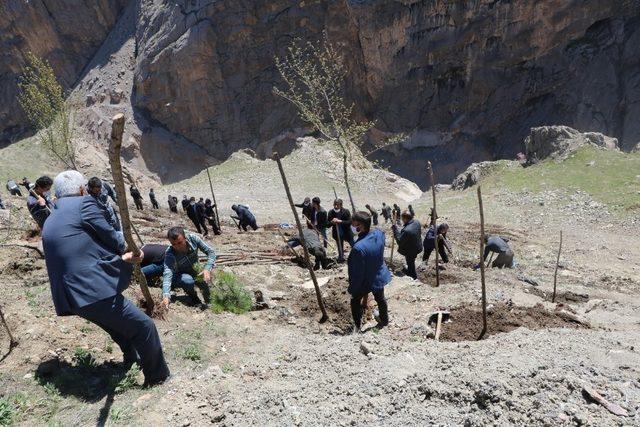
(245, 217)
(89, 269)
(367, 270)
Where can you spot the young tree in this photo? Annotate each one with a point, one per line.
(314, 75)
(42, 99)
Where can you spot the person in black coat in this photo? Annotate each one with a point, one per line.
(341, 220)
(307, 211)
(386, 212)
(409, 241)
(201, 216)
(154, 201)
(173, 205)
(320, 219)
(185, 203)
(137, 197)
(211, 216)
(244, 217)
(192, 213)
(397, 213)
(430, 242)
(374, 214)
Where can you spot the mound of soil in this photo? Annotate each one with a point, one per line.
(466, 322)
(336, 300)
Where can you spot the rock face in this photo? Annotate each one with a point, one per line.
(65, 32)
(467, 79)
(560, 141)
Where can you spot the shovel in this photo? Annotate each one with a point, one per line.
(438, 318)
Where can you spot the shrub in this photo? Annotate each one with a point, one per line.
(84, 358)
(129, 381)
(191, 352)
(228, 294)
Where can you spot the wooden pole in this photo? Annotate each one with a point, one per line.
(484, 289)
(555, 274)
(335, 195)
(215, 204)
(325, 317)
(117, 129)
(393, 237)
(12, 341)
(435, 221)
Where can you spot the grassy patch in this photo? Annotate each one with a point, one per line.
(7, 412)
(119, 416)
(610, 177)
(82, 357)
(191, 352)
(128, 381)
(228, 294)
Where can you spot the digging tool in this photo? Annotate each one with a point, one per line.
(34, 194)
(393, 238)
(236, 223)
(438, 318)
(117, 129)
(435, 220)
(286, 243)
(318, 231)
(555, 274)
(335, 195)
(215, 205)
(484, 288)
(12, 341)
(135, 230)
(312, 273)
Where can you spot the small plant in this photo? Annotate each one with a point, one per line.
(226, 368)
(31, 299)
(108, 346)
(191, 352)
(6, 412)
(129, 381)
(228, 294)
(85, 329)
(119, 415)
(84, 358)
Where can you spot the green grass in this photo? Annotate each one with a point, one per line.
(119, 416)
(129, 381)
(7, 412)
(191, 352)
(228, 294)
(82, 357)
(27, 158)
(612, 179)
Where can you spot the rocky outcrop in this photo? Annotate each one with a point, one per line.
(558, 142)
(65, 32)
(466, 79)
(477, 171)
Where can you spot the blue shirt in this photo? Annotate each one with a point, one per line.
(176, 263)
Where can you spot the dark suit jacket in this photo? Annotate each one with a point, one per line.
(82, 253)
(345, 227)
(409, 239)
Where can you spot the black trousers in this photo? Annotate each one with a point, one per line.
(214, 226)
(441, 250)
(357, 309)
(411, 267)
(133, 331)
(154, 204)
(138, 203)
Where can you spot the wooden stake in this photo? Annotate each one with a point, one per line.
(393, 237)
(335, 195)
(325, 317)
(435, 220)
(484, 289)
(12, 341)
(117, 129)
(215, 205)
(555, 275)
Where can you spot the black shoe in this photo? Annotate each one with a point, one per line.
(148, 383)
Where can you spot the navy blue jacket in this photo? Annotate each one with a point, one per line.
(409, 239)
(367, 270)
(82, 252)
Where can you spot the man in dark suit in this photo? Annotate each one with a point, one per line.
(320, 219)
(409, 241)
(307, 211)
(245, 217)
(367, 270)
(88, 271)
(341, 220)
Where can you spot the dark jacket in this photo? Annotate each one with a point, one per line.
(153, 253)
(367, 270)
(107, 191)
(307, 210)
(185, 204)
(386, 212)
(321, 219)
(200, 211)
(82, 252)
(39, 213)
(345, 227)
(192, 212)
(135, 193)
(311, 239)
(495, 244)
(152, 196)
(409, 239)
(244, 215)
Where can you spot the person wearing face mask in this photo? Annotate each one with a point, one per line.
(409, 241)
(367, 270)
(340, 218)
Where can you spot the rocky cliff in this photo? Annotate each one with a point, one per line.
(65, 32)
(466, 78)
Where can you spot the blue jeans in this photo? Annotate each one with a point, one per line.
(133, 331)
(152, 271)
(180, 280)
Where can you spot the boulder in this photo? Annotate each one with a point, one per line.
(559, 142)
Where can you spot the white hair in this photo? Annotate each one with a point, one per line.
(68, 183)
